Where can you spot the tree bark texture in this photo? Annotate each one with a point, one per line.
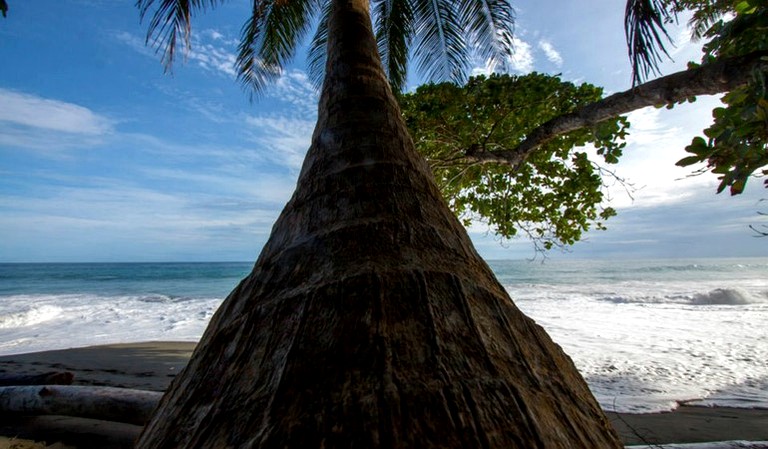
(708, 79)
(369, 320)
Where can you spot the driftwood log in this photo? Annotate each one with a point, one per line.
(49, 378)
(103, 403)
(82, 433)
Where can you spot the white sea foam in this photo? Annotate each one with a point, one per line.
(725, 296)
(63, 321)
(30, 316)
(645, 347)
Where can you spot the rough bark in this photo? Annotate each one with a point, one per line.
(104, 403)
(708, 79)
(369, 320)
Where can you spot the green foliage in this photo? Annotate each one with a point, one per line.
(735, 146)
(555, 195)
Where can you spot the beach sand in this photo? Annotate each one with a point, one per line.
(152, 366)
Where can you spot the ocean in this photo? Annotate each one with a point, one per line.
(646, 334)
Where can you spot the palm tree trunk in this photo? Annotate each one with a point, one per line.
(369, 320)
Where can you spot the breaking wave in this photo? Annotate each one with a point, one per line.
(719, 296)
(29, 317)
(725, 296)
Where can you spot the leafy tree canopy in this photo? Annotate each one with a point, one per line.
(508, 150)
(556, 195)
(735, 146)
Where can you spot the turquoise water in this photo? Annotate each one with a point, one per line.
(194, 280)
(217, 279)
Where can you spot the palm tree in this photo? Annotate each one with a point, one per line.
(369, 320)
(645, 24)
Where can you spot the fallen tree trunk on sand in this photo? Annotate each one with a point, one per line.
(103, 403)
(50, 378)
(81, 433)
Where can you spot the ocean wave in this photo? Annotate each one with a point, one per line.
(719, 296)
(725, 296)
(155, 298)
(164, 299)
(29, 317)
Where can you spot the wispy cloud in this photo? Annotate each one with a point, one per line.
(138, 44)
(216, 52)
(49, 114)
(209, 50)
(285, 139)
(214, 57)
(106, 214)
(49, 125)
(295, 88)
(551, 53)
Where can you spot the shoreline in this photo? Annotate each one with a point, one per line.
(152, 365)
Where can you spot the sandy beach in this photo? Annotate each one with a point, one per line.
(152, 366)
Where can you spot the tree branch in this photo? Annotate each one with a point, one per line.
(708, 79)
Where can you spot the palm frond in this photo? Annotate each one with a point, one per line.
(171, 21)
(269, 39)
(706, 15)
(441, 50)
(317, 55)
(394, 32)
(644, 28)
(491, 24)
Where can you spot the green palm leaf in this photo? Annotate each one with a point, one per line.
(492, 26)
(394, 22)
(316, 56)
(706, 14)
(441, 50)
(171, 20)
(270, 37)
(443, 34)
(644, 27)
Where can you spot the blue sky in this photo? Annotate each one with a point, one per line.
(103, 157)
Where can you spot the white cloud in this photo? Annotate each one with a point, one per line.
(136, 43)
(286, 140)
(656, 142)
(213, 57)
(214, 51)
(482, 69)
(522, 59)
(295, 88)
(266, 189)
(108, 213)
(552, 55)
(210, 50)
(218, 36)
(51, 115)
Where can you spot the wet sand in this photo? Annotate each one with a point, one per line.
(152, 366)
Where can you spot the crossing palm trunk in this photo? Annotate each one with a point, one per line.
(369, 320)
